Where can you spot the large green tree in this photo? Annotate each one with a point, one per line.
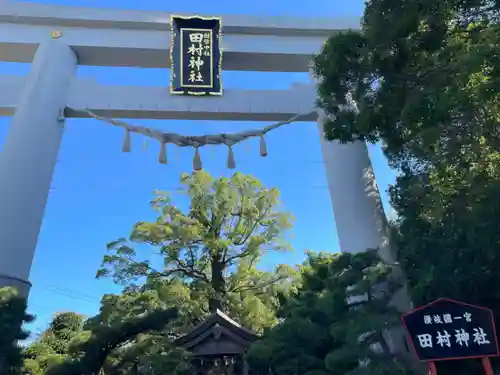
(422, 77)
(336, 323)
(211, 248)
(193, 259)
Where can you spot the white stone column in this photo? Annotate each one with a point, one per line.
(357, 207)
(28, 158)
(359, 215)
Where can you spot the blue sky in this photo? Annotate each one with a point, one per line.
(99, 193)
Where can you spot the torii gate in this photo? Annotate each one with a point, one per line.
(55, 39)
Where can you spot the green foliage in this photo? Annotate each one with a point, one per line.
(209, 252)
(205, 257)
(89, 356)
(63, 328)
(425, 76)
(53, 346)
(323, 332)
(152, 354)
(12, 317)
(66, 323)
(132, 329)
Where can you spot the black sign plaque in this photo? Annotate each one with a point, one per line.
(196, 56)
(447, 330)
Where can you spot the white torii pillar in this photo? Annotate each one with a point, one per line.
(357, 207)
(28, 158)
(359, 215)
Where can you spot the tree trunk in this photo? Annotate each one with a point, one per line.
(218, 284)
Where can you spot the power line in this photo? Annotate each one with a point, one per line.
(63, 291)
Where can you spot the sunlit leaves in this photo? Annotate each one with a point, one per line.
(426, 77)
(183, 259)
(320, 333)
(415, 69)
(229, 220)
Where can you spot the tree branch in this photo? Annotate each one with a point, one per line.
(247, 287)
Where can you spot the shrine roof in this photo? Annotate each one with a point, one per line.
(217, 318)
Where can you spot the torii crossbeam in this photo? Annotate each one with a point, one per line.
(55, 39)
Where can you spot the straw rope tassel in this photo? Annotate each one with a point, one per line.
(231, 163)
(197, 166)
(126, 141)
(162, 158)
(263, 146)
